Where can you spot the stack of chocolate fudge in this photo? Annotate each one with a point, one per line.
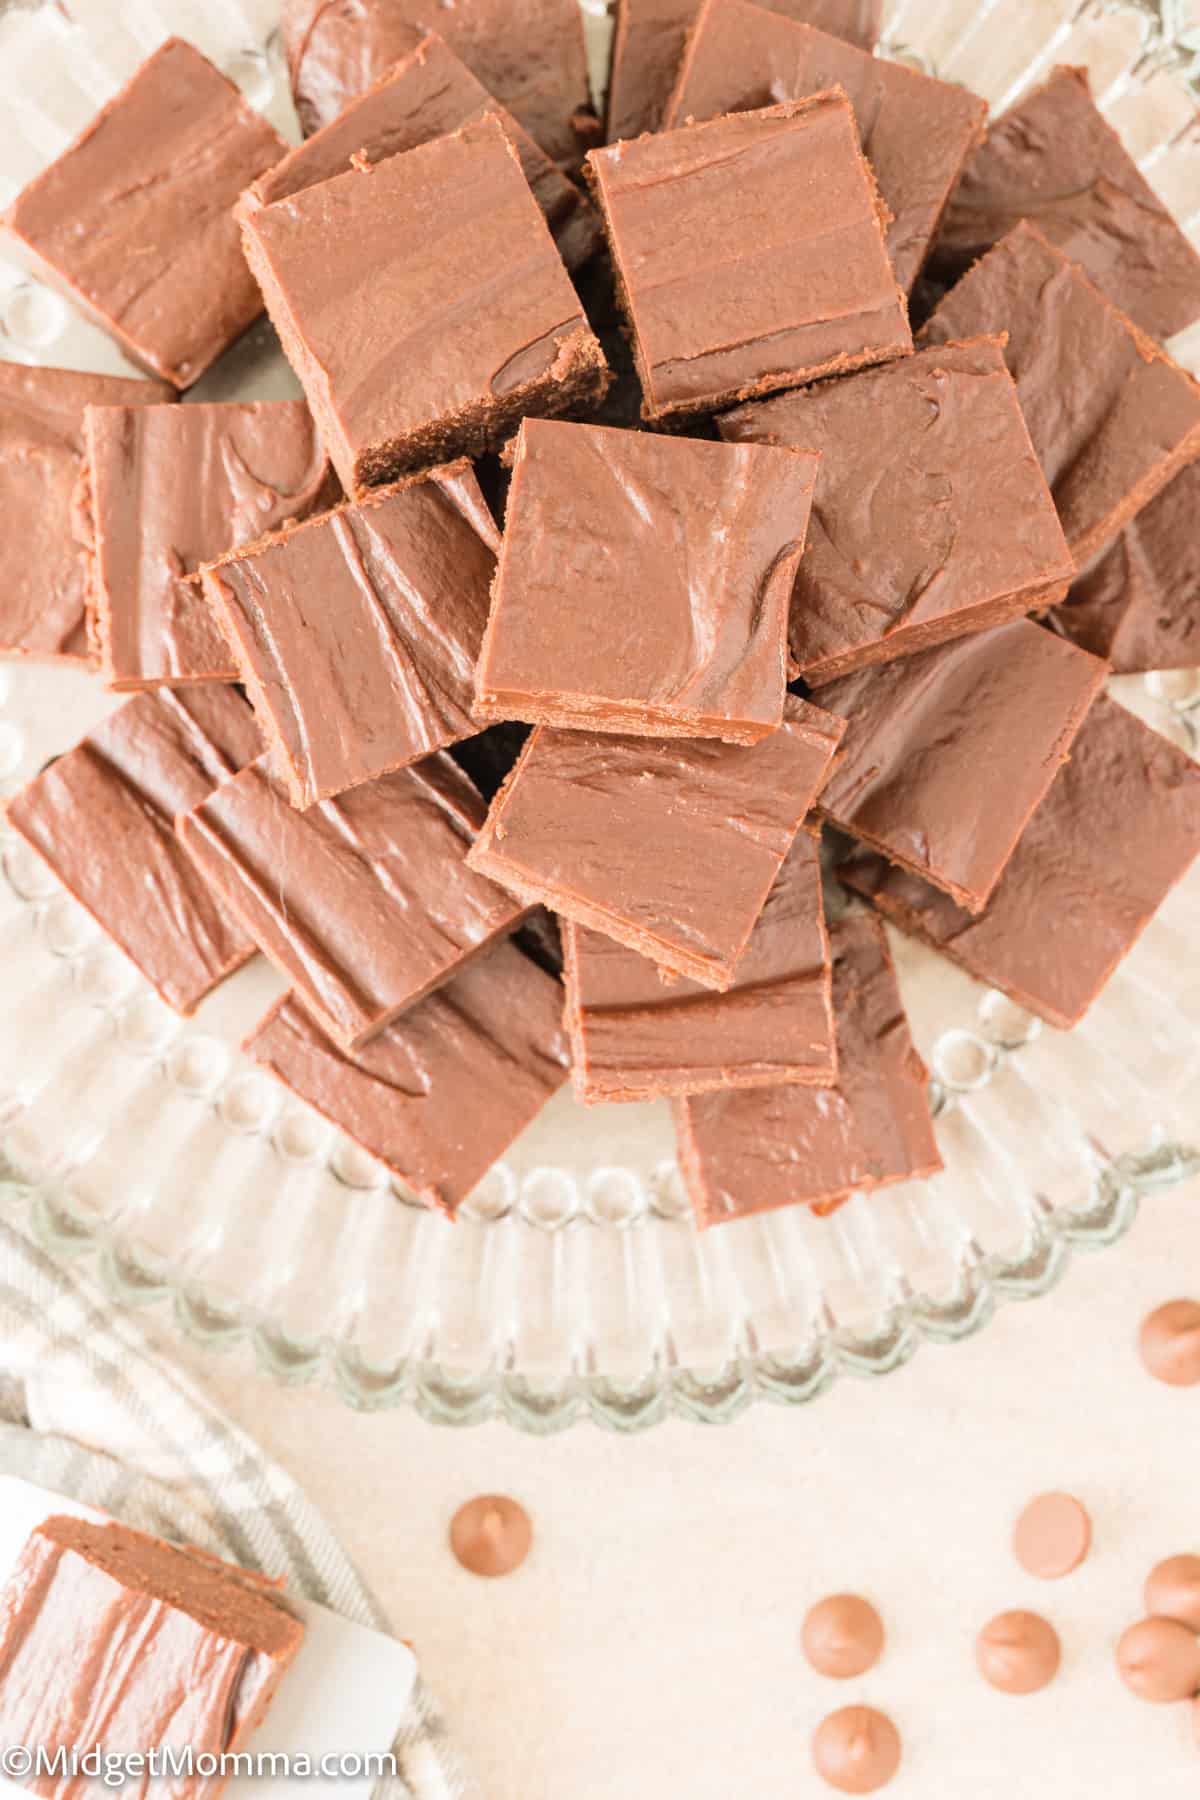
(626, 540)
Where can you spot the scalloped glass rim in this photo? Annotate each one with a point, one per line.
(575, 1286)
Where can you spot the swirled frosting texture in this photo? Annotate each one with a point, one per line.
(645, 583)
(931, 516)
(1118, 828)
(363, 902)
(749, 254)
(1054, 159)
(170, 488)
(441, 1093)
(915, 132)
(356, 633)
(1111, 417)
(155, 175)
(671, 847)
(43, 584)
(103, 816)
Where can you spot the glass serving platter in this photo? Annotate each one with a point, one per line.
(574, 1285)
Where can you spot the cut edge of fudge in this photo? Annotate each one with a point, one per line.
(98, 600)
(248, 1623)
(630, 1085)
(1035, 598)
(917, 81)
(577, 380)
(869, 875)
(972, 902)
(928, 1164)
(1186, 451)
(677, 414)
(189, 1579)
(300, 794)
(708, 971)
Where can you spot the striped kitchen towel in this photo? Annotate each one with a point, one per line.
(90, 1410)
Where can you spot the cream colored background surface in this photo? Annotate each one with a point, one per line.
(648, 1650)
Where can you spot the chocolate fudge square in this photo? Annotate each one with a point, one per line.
(134, 224)
(1053, 159)
(1138, 603)
(103, 818)
(356, 633)
(440, 1094)
(167, 489)
(1118, 828)
(931, 516)
(751, 1152)
(916, 132)
(644, 584)
(43, 585)
(635, 1036)
(947, 753)
(529, 53)
(363, 903)
(670, 847)
(749, 254)
(649, 38)
(1111, 417)
(106, 1630)
(428, 94)
(423, 305)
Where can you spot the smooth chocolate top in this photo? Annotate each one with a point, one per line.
(364, 903)
(42, 578)
(644, 583)
(529, 53)
(1110, 415)
(412, 293)
(753, 1151)
(134, 219)
(356, 633)
(915, 132)
(948, 753)
(634, 1035)
(750, 253)
(671, 847)
(1053, 158)
(930, 505)
(103, 817)
(650, 36)
(443, 1091)
(427, 94)
(1138, 604)
(1118, 828)
(169, 489)
(77, 1615)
